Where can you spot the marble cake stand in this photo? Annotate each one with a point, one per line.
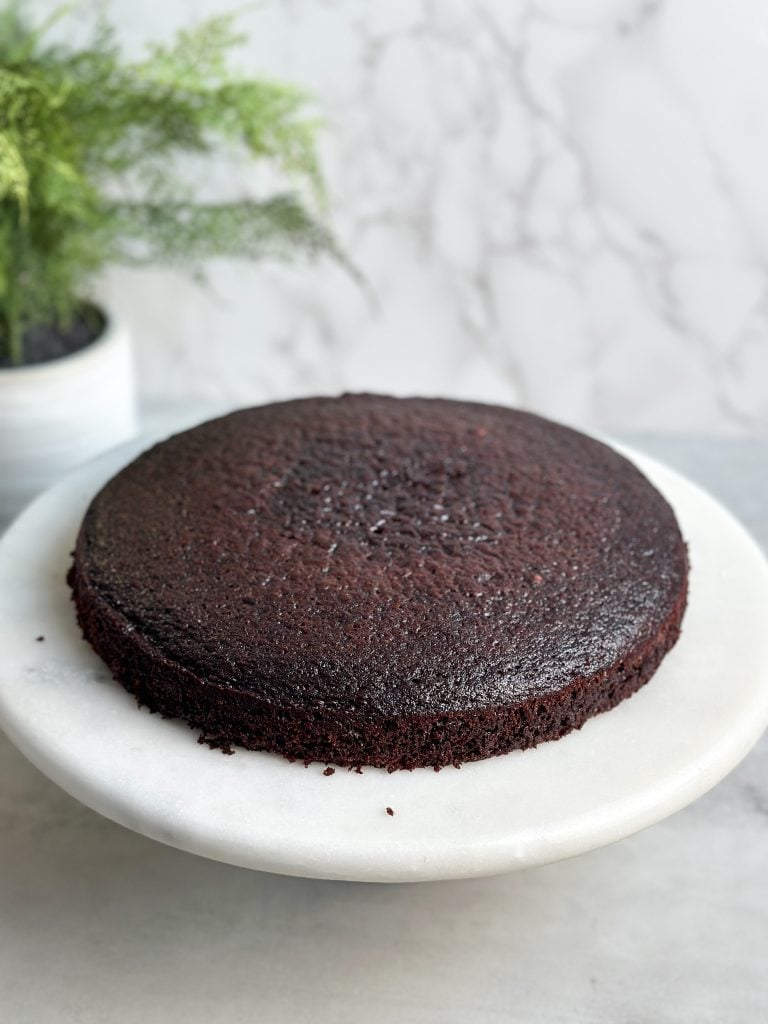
(625, 770)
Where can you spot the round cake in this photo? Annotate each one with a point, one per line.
(368, 580)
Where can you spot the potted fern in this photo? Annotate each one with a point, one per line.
(90, 173)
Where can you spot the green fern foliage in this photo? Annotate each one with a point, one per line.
(92, 164)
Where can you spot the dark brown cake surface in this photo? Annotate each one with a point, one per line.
(369, 580)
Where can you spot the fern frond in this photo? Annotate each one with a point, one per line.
(89, 163)
(14, 179)
(187, 232)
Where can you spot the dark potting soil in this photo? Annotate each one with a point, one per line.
(46, 342)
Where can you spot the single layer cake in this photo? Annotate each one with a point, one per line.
(377, 581)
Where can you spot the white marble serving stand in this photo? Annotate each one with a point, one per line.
(100, 924)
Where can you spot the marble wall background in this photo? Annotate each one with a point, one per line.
(558, 203)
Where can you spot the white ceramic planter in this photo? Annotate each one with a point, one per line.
(54, 416)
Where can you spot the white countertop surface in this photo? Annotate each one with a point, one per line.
(100, 925)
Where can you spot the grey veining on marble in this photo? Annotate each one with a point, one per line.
(556, 203)
(101, 926)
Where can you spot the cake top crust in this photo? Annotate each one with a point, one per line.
(386, 556)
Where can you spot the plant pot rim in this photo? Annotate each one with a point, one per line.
(112, 328)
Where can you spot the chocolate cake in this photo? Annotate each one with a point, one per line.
(376, 581)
